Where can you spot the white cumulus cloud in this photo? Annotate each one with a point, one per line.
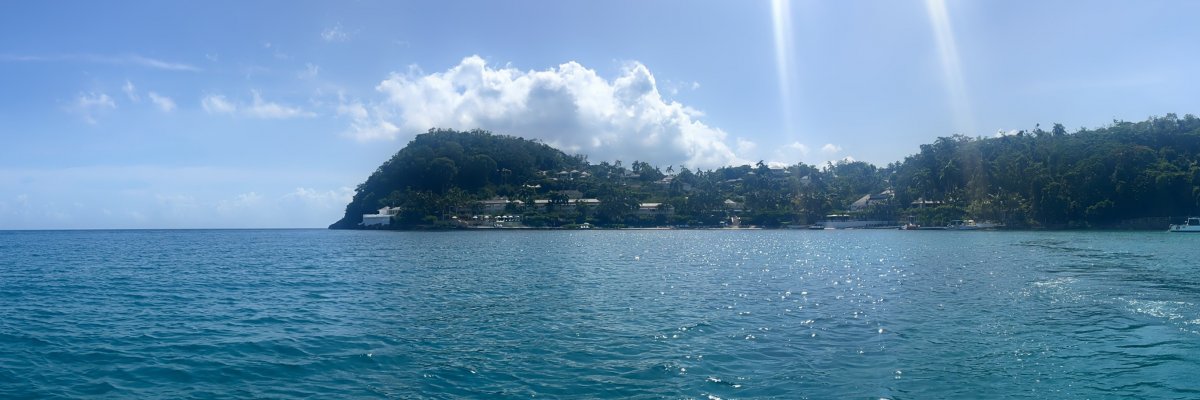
(799, 147)
(164, 103)
(830, 148)
(366, 126)
(745, 145)
(569, 106)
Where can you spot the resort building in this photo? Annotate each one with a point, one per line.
(383, 217)
(651, 209)
(872, 200)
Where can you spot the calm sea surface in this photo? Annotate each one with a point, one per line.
(599, 314)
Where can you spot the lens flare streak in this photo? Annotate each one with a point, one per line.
(956, 86)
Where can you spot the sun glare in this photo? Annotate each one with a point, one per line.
(781, 19)
(939, 20)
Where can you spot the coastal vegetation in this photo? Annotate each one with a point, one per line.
(1123, 175)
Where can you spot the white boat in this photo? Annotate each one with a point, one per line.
(987, 225)
(1191, 225)
(961, 225)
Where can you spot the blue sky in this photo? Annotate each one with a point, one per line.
(267, 114)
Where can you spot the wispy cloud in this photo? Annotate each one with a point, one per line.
(88, 105)
(257, 108)
(155, 63)
(270, 110)
(330, 198)
(130, 91)
(335, 34)
(830, 148)
(310, 71)
(164, 103)
(217, 104)
(123, 60)
(241, 201)
(799, 147)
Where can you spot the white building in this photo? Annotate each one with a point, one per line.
(383, 217)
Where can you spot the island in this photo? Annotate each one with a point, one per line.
(1125, 175)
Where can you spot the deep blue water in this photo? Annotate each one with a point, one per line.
(599, 314)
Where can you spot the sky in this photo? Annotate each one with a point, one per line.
(267, 114)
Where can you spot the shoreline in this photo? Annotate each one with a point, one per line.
(750, 228)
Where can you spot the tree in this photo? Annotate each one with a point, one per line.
(1126, 171)
(1059, 129)
(440, 173)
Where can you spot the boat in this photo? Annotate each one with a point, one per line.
(1191, 225)
(962, 225)
(989, 224)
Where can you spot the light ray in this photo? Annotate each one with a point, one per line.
(781, 19)
(956, 86)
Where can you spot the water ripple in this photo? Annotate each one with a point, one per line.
(599, 314)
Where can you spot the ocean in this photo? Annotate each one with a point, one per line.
(598, 314)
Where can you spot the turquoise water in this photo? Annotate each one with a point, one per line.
(599, 314)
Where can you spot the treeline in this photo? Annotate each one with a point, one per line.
(1098, 178)
(1091, 178)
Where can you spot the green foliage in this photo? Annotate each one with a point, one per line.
(1091, 178)
(476, 162)
(1104, 177)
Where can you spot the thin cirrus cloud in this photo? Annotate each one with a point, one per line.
(257, 108)
(569, 106)
(122, 60)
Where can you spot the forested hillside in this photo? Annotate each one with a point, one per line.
(444, 167)
(1114, 176)
(1090, 178)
